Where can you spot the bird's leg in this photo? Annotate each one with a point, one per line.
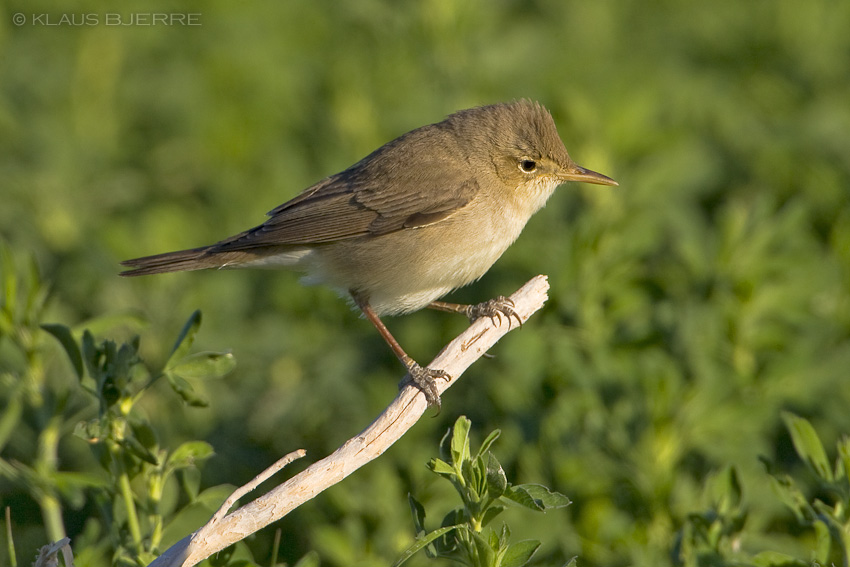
(423, 378)
(492, 308)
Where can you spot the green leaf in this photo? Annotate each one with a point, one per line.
(144, 434)
(491, 513)
(90, 357)
(195, 514)
(189, 453)
(521, 496)
(486, 554)
(190, 478)
(423, 542)
(485, 446)
(826, 514)
(215, 496)
(185, 339)
(449, 542)
(460, 441)
(203, 365)
(185, 391)
(445, 445)
(536, 497)
(808, 445)
(823, 543)
(725, 488)
(495, 541)
(66, 339)
(418, 512)
(497, 482)
(792, 497)
(548, 498)
(441, 467)
(132, 445)
(471, 478)
(520, 553)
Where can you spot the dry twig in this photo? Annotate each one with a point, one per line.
(222, 531)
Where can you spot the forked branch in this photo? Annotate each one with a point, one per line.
(224, 530)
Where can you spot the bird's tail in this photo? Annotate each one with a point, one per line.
(180, 261)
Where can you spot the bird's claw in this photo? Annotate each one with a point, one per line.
(425, 379)
(494, 309)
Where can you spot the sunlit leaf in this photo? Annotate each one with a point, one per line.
(488, 442)
(204, 365)
(492, 512)
(185, 339)
(520, 553)
(460, 441)
(497, 481)
(189, 453)
(486, 554)
(441, 467)
(808, 445)
(536, 497)
(185, 391)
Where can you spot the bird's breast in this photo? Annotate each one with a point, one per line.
(405, 270)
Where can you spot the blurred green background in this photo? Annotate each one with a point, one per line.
(688, 307)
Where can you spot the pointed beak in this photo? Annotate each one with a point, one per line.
(578, 173)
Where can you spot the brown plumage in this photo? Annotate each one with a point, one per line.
(426, 213)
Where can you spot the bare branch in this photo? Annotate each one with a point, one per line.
(48, 556)
(400, 416)
(258, 480)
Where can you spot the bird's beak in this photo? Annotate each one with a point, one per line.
(578, 173)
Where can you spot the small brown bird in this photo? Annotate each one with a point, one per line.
(424, 214)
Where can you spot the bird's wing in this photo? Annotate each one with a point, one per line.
(357, 203)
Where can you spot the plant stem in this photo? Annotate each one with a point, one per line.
(51, 511)
(10, 542)
(45, 466)
(130, 505)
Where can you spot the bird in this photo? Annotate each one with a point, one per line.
(426, 213)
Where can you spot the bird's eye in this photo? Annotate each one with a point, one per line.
(528, 165)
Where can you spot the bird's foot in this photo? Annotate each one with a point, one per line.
(425, 379)
(494, 309)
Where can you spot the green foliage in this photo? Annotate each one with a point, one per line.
(484, 491)
(136, 469)
(714, 537)
(690, 307)
(128, 444)
(828, 514)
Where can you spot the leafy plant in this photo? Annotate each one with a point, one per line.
(127, 443)
(828, 514)
(484, 491)
(712, 536)
(111, 380)
(37, 412)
